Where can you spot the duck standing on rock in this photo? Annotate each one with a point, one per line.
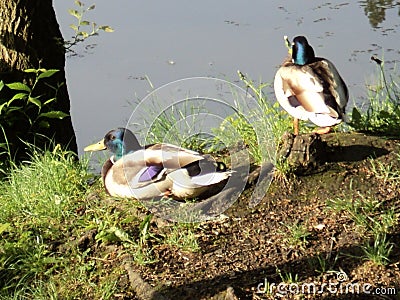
(310, 88)
(156, 170)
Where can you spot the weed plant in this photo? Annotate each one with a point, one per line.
(182, 236)
(260, 129)
(373, 220)
(180, 124)
(382, 115)
(38, 201)
(24, 115)
(378, 251)
(296, 235)
(83, 29)
(61, 240)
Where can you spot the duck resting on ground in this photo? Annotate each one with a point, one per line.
(310, 88)
(156, 170)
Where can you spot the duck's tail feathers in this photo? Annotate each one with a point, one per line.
(210, 178)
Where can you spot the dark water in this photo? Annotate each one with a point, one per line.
(170, 40)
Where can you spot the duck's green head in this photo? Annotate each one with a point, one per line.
(302, 52)
(119, 141)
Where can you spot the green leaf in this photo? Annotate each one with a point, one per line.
(3, 227)
(18, 96)
(56, 114)
(1, 84)
(48, 73)
(49, 101)
(84, 23)
(74, 27)
(19, 86)
(355, 115)
(121, 234)
(35, 101)
(30, 71)
(44, 124)
(14, 108)
(75, 13)
(106, 28)
(384, 114)
(83, 34)
(91, 7)
(2, 106)
(79, 3)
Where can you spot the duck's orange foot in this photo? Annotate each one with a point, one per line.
(167, 193)
(322, 130)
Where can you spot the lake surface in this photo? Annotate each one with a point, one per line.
(171, 40)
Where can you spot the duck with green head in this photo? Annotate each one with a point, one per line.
(310, 88)
(156, 170)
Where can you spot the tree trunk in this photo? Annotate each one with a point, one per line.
(304, 152)
(30, 38)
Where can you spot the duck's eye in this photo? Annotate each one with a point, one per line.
(112, 137)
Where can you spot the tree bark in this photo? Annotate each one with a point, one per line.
(304, 152)
(30, 37)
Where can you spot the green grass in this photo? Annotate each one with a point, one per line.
(179, 124)
(182, 236)
(41, 202)
(374, 221)
(387, 173)
(259, 130)
(324, 263)
(61, 239)
(182, 122)
(287, 277)
(367, 212)
(378, 251)
(382, 114)
(43, 198)
(38, 201)
(296, 235)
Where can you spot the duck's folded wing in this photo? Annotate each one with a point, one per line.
(169, 156)
(299, 92)
(149, 165)
(337, 86)
(134, 172)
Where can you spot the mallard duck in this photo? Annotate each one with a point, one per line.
(156, 170)
(310, 88)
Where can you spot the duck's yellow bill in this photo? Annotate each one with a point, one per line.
(288, 44)
(96, 147)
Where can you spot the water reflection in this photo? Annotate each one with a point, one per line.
(375, 10)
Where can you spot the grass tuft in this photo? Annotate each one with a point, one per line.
(183, 236)
(296, 235)
(374, 220)
(382, 115)
(260, 129)
(38, 200)
(378, 251)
